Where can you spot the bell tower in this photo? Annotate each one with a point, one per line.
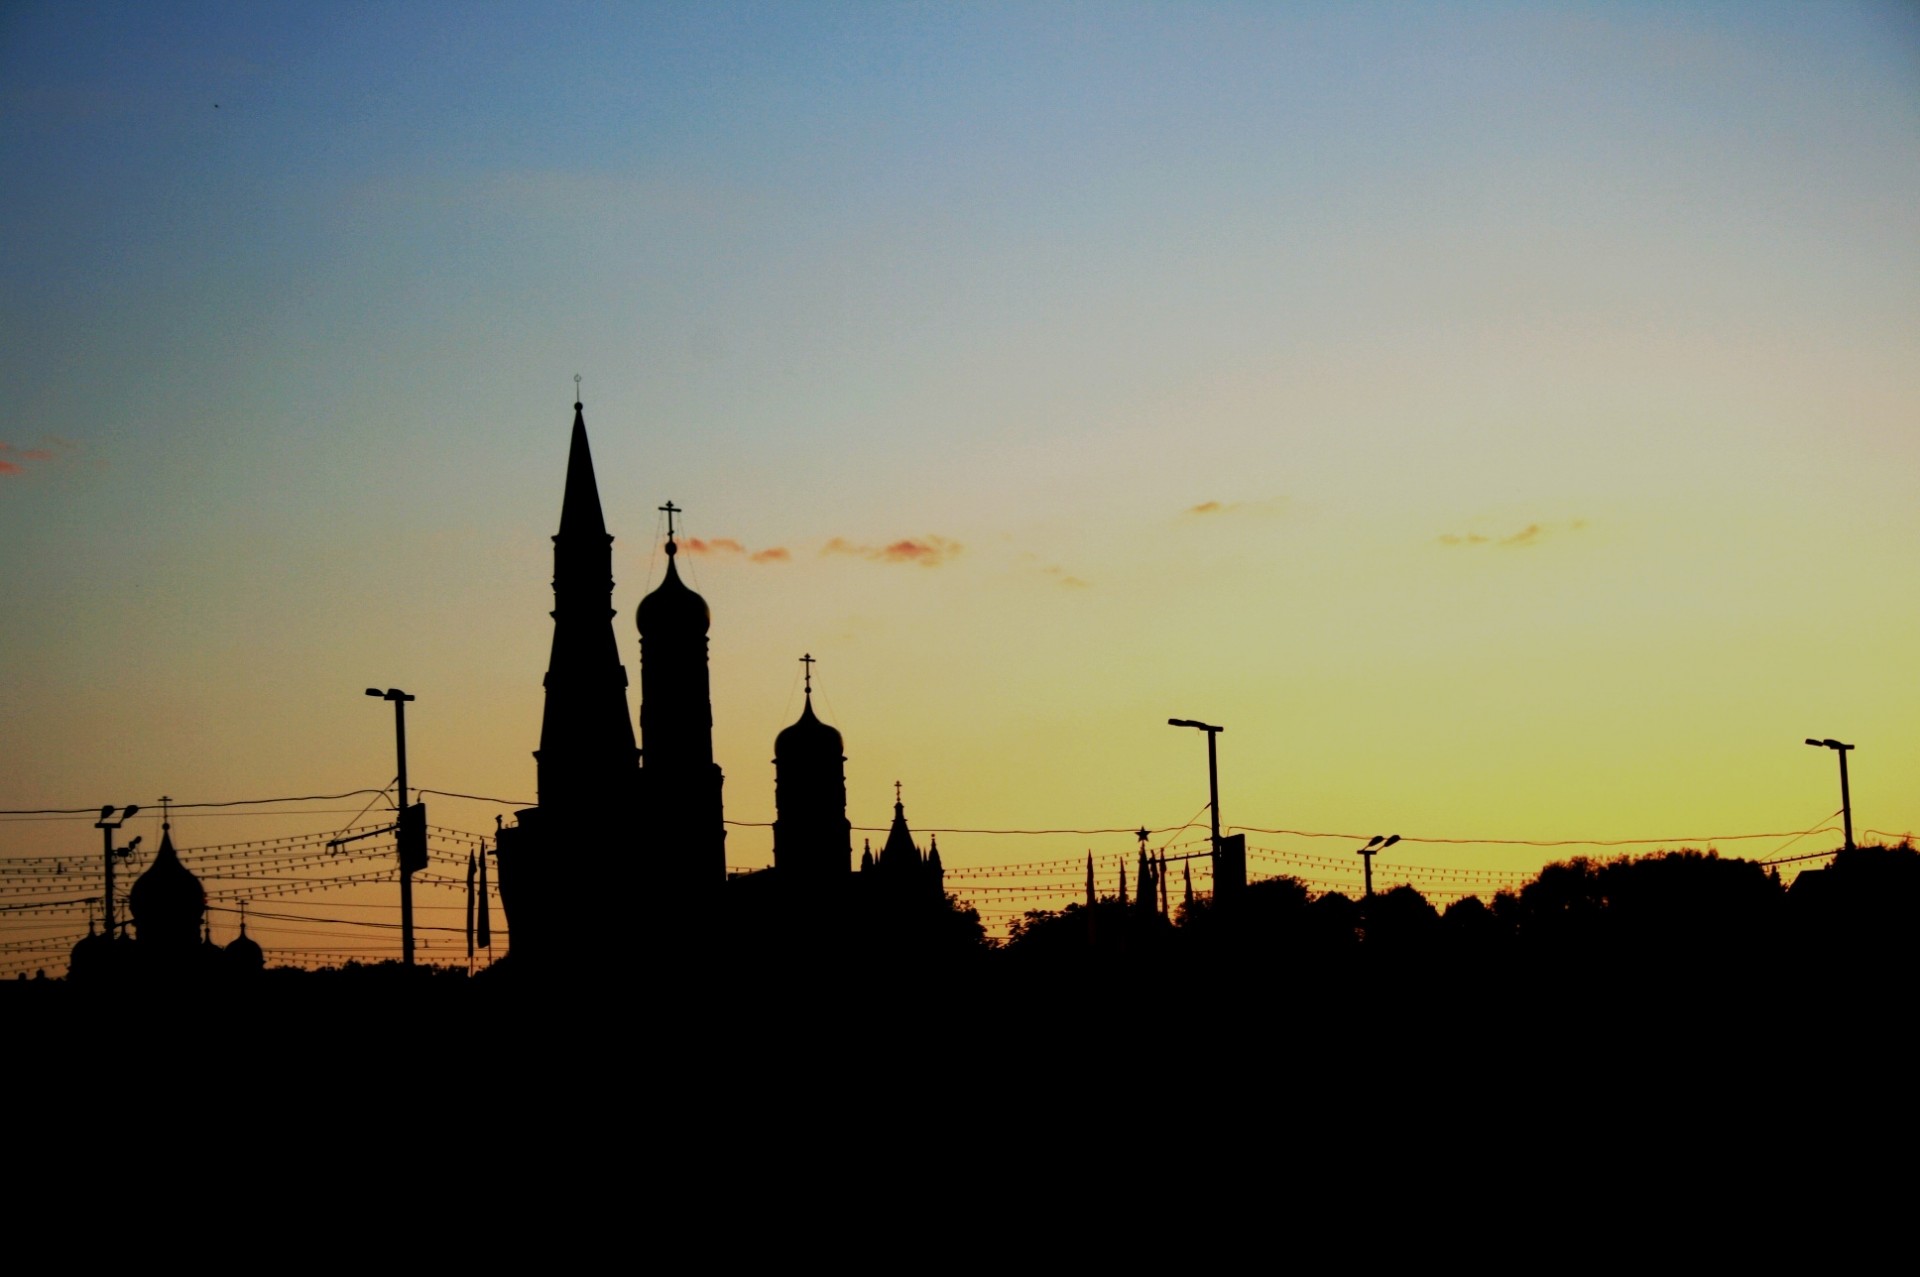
(686, 828)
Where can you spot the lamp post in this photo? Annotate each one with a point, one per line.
(1213, 781)
(106, 825)
(1375, 845)
(1846, 800)
(400, 699)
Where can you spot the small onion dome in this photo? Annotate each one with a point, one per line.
(92, 957)
(807, 738)
(167, 900)
(673, 607)
(244, 953)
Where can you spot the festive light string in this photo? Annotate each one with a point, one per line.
(260, 866)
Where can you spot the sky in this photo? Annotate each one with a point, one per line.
(1503, 419)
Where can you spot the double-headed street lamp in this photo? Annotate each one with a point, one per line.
(1846, 801)
(106, 825)
(1375, 845)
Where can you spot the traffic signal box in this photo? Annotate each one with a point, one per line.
(413, 838)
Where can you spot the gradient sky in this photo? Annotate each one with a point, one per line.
(1505, 419)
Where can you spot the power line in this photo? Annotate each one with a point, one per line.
(236, 802)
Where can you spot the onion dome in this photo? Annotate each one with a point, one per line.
(92, 957)
(243, 952)
(167, 900)
(672, 607)
(808, 737)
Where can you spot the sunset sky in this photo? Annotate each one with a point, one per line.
(1505, 419)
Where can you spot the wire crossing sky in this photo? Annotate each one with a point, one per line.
(1503, 419)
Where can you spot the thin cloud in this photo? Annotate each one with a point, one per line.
(1528, 535)
(1270, 506)
(730, 548)
(1532, 534)
(14, 460)
(928, 551)
(1062, 577)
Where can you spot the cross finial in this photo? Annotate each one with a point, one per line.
(670, 509)
(807, 661)
(166, 815)
(896, 793)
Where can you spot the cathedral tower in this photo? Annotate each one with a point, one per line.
(812, 838)
(686, 830)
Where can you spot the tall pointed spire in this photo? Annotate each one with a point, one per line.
(587, 752)
(587, 768)
(580, 507)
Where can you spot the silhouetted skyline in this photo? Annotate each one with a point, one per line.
(1500, 422)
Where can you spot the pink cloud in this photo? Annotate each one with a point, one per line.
(928, 551)
(727, 546)
(48, 449)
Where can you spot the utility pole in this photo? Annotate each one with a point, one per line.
(1846, 799)
(106, 825)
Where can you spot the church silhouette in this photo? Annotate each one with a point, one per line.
(607, 798)
(172, 941)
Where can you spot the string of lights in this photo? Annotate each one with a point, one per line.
(37, 890)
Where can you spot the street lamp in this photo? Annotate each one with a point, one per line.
(106, 825)
(1846, 801)
(407, 864)
(1375, 845)
(1213, 788)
